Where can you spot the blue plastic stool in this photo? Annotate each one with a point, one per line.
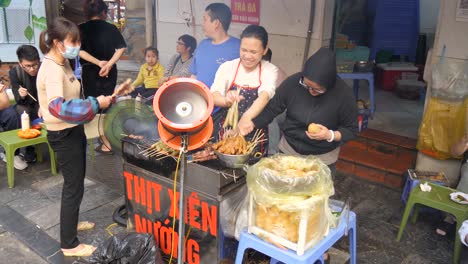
(279, 255)
(356, 76)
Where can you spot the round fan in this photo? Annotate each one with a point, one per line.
(129, 117)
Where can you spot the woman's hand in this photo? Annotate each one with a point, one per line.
(323, 134)
(104, 72)
(104, 101)
(39, 113)
(233, 96)
(245, 126)
(102, 63)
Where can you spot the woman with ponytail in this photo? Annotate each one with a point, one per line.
(102, 45)
(64, 114)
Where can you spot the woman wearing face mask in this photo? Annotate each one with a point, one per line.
(249, 80)
(64, 113)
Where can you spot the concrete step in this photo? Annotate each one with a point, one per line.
(378, 157)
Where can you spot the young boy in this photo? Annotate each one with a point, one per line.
(150, 74)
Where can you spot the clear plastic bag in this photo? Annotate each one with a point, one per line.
(291, 175)
(290, 197)
(450, 78)
(230, 209)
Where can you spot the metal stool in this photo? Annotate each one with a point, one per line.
(11, 142)
(437, 198)
(356, 76)
(279, 255)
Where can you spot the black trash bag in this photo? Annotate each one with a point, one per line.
(128, 248)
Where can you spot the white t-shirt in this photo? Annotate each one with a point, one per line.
(227, 72)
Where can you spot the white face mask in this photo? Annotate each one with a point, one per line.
(70, 52)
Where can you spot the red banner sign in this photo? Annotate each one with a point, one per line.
(150, 206)
(246, 11)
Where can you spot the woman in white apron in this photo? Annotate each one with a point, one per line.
(249, 80)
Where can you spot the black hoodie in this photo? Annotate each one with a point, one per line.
(335, 109)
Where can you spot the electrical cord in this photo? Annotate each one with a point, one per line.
(174, 217)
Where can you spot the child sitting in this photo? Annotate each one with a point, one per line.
(150, 74)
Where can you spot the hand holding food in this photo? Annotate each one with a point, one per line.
(321, 132)
(313, 128)
(104, 101)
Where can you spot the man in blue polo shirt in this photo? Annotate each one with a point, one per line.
(218, 47)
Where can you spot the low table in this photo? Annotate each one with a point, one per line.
(10, 141)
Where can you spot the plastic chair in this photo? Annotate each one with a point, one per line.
(437, 198)
(356, 76)
(279, 255)
(11, 142)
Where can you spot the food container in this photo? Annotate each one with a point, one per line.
(298, 226)
(288, 201)
(233, 161)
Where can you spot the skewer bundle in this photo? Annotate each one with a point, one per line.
(232, 116)
(124, 88)
(159, 150)
(237, 145)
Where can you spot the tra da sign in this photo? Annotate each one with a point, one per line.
(150, 206)
(246, 11)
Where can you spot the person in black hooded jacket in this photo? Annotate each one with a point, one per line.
(315, 95)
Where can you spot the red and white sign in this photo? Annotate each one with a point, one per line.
(246, 11)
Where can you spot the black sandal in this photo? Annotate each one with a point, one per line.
(98, 149)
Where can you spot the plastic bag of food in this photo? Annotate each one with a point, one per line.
(291, 175)
(442, 125)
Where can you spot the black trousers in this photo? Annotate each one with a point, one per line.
(70, 147)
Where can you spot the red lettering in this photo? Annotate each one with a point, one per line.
(149, 200)
(140, 196)
(140, 224)
(165, 240)
(193, 250)
(174, 203)
(156, 226)
(128, 179)
(210, 218)
(193, 210)
(157, 201)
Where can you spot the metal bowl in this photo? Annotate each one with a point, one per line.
(363, 66)
(233, 161)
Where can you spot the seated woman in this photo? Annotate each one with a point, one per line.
(248, 80)
(179, 65)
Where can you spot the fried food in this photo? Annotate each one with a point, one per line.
(235, 145)
(313, 128)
